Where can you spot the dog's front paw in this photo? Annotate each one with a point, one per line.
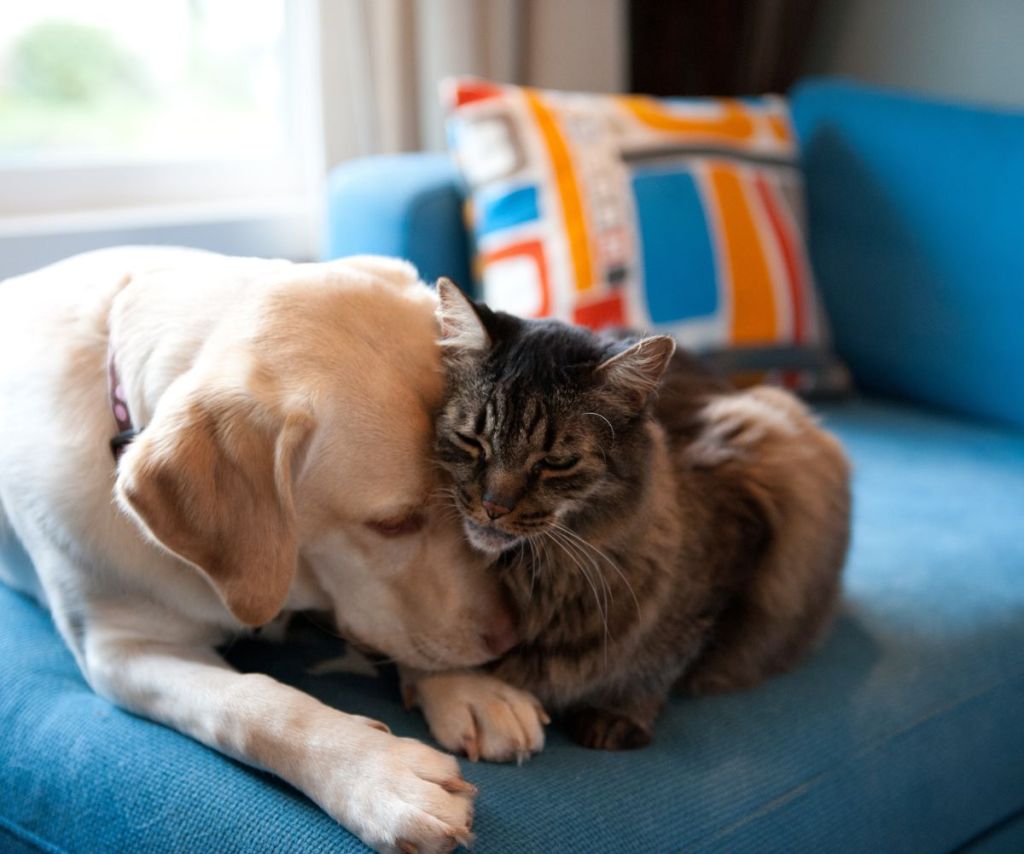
(401, 796)
(481, 716)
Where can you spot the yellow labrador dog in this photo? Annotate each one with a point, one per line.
(281, 462)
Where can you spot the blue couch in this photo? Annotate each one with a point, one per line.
(903, 733)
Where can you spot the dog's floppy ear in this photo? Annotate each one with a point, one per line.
(211, 480)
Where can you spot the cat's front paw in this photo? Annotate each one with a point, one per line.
(600, 729)
(481, 716)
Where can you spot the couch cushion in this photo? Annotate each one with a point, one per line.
(915, 216)
(902, 734)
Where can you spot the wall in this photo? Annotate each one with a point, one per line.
(577, 44)
(556, 44)
(971, 50)
(381, 60)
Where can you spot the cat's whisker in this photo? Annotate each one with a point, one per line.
(605, 420)
(534, 560)
(609, 561)
(444, 497)
(448, 507)
(442, 492)
(558, 539)
(605, 587)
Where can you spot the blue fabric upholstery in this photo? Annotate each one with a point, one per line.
(916, 237)
(409, 206)
(1005, 838)
(902, 734)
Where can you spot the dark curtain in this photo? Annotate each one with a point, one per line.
(717, 47)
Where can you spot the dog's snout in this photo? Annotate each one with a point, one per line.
(495, 506)
(502, 634)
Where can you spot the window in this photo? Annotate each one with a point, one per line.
(122, 79)
(122, 105)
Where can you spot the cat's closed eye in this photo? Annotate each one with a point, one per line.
(464, 442)
(552, 463)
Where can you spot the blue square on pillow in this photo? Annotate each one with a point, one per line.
(506, 207)
(677, 255)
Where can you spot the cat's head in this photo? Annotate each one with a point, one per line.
(541, 420)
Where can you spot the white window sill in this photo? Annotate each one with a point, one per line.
(278, 227)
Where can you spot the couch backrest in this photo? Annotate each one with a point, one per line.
(917, 238)
(406, 205)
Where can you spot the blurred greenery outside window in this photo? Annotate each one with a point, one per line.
(100, 81)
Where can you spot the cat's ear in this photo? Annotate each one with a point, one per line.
(635, 372)
(462, 330)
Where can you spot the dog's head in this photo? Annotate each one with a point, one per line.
(293, 462)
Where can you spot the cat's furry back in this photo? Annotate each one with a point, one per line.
(656, 531)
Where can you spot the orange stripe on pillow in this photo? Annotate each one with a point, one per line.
(568, 190)
(753, 302)
(734, 124)
(794, 272)
(780, 128)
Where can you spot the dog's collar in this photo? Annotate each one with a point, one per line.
(119, 407)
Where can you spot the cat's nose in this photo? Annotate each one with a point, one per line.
(495, 507)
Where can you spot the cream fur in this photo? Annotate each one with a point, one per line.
(315, 382)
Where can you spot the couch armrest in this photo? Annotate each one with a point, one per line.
(406, 205)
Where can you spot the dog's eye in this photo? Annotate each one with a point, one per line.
(556, 463)
(469, 444)
(398, 527)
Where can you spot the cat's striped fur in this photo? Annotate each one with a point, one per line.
(655, 528)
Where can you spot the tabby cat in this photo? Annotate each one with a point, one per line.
(655, 529)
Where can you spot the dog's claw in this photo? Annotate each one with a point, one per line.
(471, 748)
(456, 785)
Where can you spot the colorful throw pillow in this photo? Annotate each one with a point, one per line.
(677, 215)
